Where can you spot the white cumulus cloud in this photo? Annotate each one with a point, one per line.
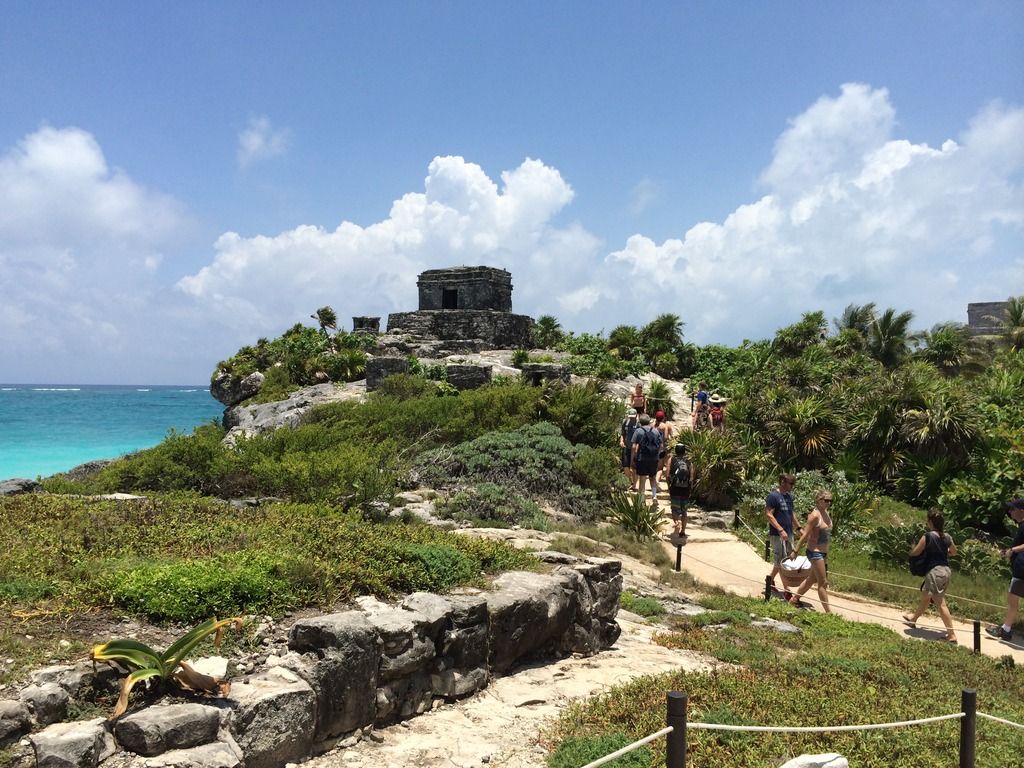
(79, 242)
(851, 213)
(462, 217)
(259, 140)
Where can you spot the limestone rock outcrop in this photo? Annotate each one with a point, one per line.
(231, 390)
(249, 420)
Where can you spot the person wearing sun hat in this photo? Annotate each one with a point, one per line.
(716, 413)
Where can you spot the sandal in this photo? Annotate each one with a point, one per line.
(909, 622)
(952, 641)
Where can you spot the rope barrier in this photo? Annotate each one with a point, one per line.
(629, 748)
(999, 720)
(824, 728)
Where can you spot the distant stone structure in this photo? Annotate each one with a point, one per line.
(536, 374)
(979, 314)
(465, 303)
(366, 325)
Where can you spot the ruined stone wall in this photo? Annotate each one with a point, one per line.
(344, 672)
(501, 329)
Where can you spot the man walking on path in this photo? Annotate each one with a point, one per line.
(629, 425)
(646, 447)
(781, 520)
(1016, 512)
(681, 479)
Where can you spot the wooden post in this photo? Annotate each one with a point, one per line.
(968, 724)
(675, 748)
(679, 557)
(767, 588)
(977, 636)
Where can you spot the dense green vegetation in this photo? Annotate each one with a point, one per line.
(184, 558)
(834, 672)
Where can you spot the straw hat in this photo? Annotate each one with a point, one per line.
(717, 399)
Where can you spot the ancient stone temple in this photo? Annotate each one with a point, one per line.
(465, 303)
(980, 314)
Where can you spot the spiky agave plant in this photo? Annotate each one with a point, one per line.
(147, 663)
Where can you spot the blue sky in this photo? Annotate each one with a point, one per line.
(174, 177)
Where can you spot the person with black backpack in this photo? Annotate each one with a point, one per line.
(626, 430)
(682, 476)
(935, 547)
(646, 447)
(1015, 554)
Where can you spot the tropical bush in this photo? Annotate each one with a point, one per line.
(631, 512)
(720, 462)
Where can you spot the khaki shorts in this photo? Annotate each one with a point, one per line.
(936, 580)
(780, 549)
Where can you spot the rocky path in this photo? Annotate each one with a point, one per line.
(718, 557)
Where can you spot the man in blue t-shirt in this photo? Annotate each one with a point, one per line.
(781, 522)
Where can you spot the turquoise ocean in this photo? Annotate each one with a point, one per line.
(48, 428)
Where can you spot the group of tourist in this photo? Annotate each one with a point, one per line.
(935, 547)
(645, 459)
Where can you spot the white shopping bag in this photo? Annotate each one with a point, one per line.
(798, 563)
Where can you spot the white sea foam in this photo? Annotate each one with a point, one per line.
(8, 389)
(188, 390)
(142, 390)
(56, 389)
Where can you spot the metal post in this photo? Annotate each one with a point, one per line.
(977, 636)
(679, 557)
(968, 723)
(767, 588)
(675, 748)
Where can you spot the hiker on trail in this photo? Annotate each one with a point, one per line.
(716, 412)
(938, 546)
(682, 476)
(816, 533)
(781, 520)
(666, 432)
(701, 413)
(1015, 509)
(638, 399)
(628, 426)
(646, 447)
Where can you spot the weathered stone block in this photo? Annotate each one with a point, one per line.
(81, 744)
(15, 721)
(529, 614)
(364, 324)
(379, 368)
(155, 730)
(48, 702)
(536, 374)
(273, 718)
(464, 376)
(218, 754)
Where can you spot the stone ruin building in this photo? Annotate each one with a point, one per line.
(980, 314)
(463, 304)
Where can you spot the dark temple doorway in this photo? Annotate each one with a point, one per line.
(450, 298)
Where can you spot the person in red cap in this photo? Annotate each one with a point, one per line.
(666, 432)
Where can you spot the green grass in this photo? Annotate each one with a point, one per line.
(834, 672)
(184, 558)
(642, 606)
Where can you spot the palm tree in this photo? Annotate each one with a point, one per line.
(326, 318)
(547, 332)
(665, 330)
(624, 341)
(950, 347)
(888, 337)
(855, 318)
(1011, 324)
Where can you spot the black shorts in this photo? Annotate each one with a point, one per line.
(647, 468)
(627, 458)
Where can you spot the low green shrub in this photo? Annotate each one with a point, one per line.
(631, 512)
(583, 413)
(437, 568)
(488, 503)
(642, 606)
(580, 750)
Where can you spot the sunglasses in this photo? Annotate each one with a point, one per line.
(827, 501)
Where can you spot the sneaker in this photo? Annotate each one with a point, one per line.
(909, 622)
(999, 633)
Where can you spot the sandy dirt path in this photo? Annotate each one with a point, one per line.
(501, 725)
(718, 557)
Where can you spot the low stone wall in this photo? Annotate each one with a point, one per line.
(379, 368)
(501, 329)
(346, 672)
(465, 376)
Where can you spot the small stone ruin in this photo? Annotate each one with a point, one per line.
(980, 314)
(465, 304)
(363, 324)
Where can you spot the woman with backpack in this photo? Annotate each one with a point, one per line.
(937, 546)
